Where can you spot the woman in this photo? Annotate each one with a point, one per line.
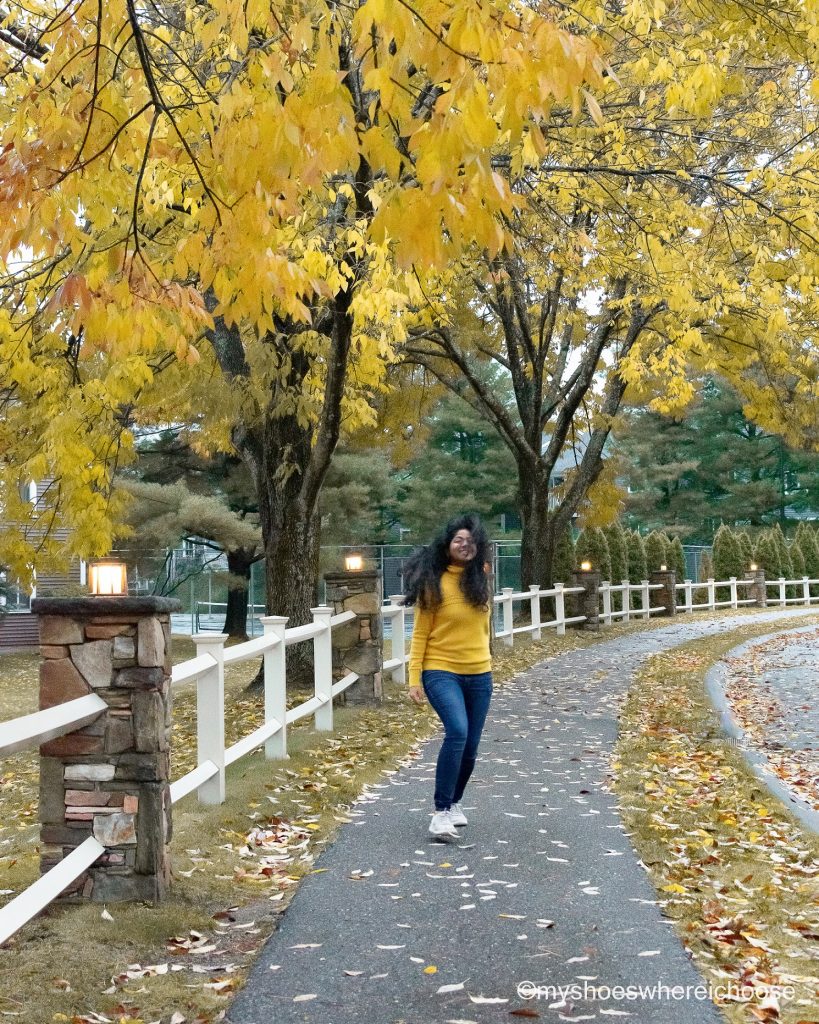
(450, 660)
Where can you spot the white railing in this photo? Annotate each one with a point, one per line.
(30, 731)
(396, 614)
(626, 612)
(507, 598)
(207, 669)
(710, 586)
(804, 598)
(688, 587)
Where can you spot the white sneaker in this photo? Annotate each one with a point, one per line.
(456, 815)
(441, 826)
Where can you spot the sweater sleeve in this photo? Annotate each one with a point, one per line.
(421, 629)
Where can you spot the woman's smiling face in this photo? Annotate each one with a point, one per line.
(462, 548)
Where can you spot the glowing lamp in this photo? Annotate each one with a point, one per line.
(585, 566)
(663, 568)
(354, 563)
(754, 567)
(108, 578)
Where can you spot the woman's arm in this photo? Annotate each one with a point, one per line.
(422, 626)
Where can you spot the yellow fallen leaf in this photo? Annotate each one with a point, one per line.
(673, 887)
(430, 970)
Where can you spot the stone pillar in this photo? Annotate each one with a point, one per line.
(112, 778)
(587, 603)
(758, 590)
(667, 597)
(357, 644)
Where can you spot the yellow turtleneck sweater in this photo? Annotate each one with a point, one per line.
(453, 637)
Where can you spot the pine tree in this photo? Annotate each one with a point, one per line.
(564, 560)
(618, 549)
(727, 554)
(593, 547)
(676, 557)
(767, 557)
(747, 546)
(656, 551)
(728, 559)
(809, 543)
(797, 562)
(778, 538)
(637, 569)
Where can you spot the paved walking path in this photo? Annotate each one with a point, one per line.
(544, 887)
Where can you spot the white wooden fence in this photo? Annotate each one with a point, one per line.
(207, 669)
(804, 599)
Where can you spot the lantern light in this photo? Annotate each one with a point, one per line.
(354, 563)
(586, 566)
(663, 568)
(108, 578)
(754, 567)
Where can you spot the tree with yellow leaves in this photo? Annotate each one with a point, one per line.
(208, 215)
(672, 231)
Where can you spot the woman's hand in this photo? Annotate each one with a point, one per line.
(417, 694)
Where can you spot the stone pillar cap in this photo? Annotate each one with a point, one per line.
(75, 607)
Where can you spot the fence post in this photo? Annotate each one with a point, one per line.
(275, 685)
(210, 715)
(323, 667)
(588, 603)
(759, 589)
(560, 609)
(626, 600)
(782, 596)
(605, 589)
(399, 641)
(689, 596)
(356, 645)
(645, 598)
(667, 597)
(508, 616)
(535, 615)
(732, 583)
(806, 590)
(712, 594)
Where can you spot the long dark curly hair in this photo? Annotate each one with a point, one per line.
(423, 570)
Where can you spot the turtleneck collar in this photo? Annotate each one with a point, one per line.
(457, 569)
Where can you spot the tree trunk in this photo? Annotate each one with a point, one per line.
(290, 531)
(537, 540)
(239, 566)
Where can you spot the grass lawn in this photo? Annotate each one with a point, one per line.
(235, 867)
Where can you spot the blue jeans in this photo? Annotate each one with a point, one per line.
(462, 703)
